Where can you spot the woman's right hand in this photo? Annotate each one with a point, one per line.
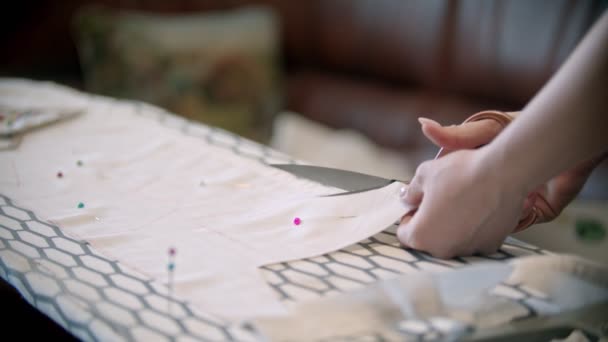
(542, 205)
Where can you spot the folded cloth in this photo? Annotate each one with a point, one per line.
(19, 120)
(19, 115)
(445, 305)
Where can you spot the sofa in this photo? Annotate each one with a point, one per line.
(371, 65)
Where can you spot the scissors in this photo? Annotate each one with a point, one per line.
(350, 181)
(354, 182)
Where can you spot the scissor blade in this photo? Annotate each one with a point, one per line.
(346, 180)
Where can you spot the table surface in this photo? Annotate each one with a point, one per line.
(96, 298)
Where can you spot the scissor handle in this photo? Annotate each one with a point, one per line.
(503, 118)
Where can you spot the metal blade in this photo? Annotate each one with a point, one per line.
(347, 180)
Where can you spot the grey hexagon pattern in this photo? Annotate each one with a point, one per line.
(91, 296)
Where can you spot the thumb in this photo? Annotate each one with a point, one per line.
(466, 136)
(414, 232)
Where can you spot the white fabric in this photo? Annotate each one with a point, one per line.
(146, 187)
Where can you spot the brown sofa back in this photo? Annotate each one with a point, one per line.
(372, 65)
(503, 49)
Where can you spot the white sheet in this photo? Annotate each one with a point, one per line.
(146, 187)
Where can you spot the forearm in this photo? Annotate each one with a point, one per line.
(564, 124)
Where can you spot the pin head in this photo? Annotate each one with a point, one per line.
(171, 266)
(297, 221)
(172, 251)
(59, 174)
(80, 205)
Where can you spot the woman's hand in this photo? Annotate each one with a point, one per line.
(546, 202)
(469, 200)
(464, 207)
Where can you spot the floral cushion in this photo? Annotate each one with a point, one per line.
(220, 68)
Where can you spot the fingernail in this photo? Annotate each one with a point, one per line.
(402, 192)
(426, 121)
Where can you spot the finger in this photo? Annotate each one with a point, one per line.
(545, 211)
(529, 201)
(405, 232)
(528, 205)
(413, 232)
(412, 194)
(562, 189)
(404, 221)
(466, 136)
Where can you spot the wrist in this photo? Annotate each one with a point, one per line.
(494, 164)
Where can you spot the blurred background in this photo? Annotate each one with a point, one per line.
(333, 82)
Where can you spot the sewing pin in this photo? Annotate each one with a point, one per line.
(170, 269)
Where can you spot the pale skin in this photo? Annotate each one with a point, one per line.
(470, 200)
